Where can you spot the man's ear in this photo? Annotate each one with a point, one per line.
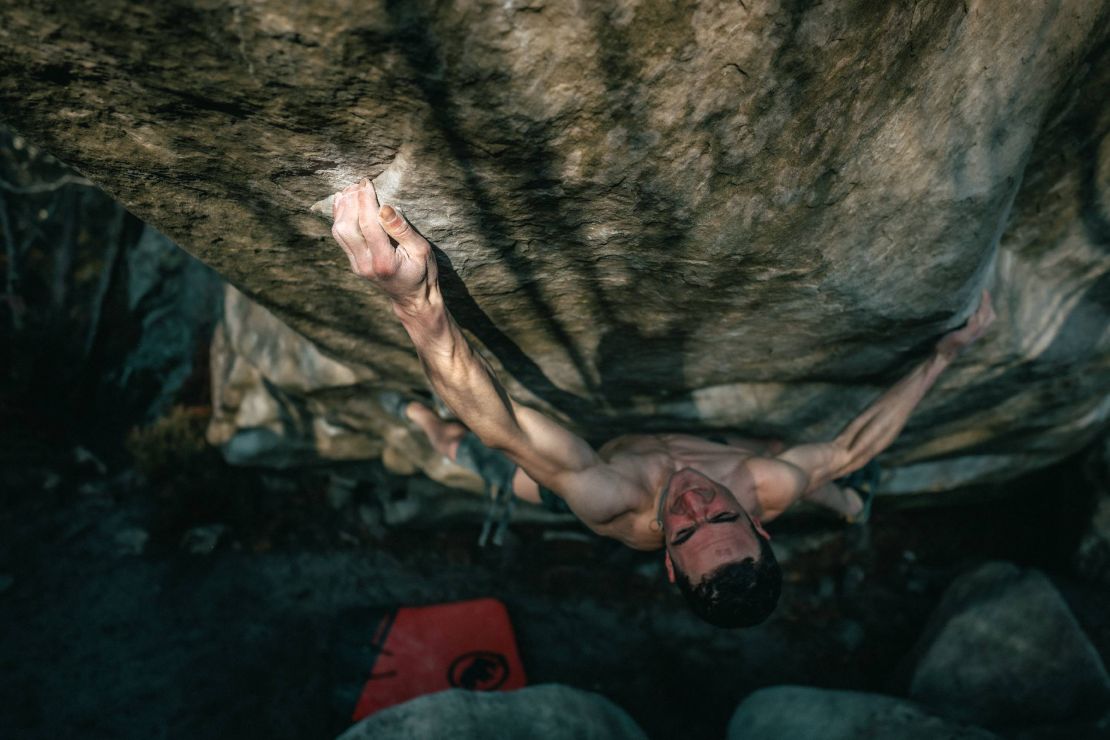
(669, 564)
(759, 528)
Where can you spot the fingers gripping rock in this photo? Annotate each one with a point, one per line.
(356, 229)
(396, 225)
(345, 230)
(381, 245)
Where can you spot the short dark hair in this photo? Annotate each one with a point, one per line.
(738, 594)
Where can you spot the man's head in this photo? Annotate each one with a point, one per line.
(717, 554)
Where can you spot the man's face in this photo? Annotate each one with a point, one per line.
(705, 526)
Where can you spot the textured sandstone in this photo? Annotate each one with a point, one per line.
(657, 215)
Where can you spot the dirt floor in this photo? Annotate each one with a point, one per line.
(119, 618)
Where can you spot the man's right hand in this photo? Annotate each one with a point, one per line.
(382, 247)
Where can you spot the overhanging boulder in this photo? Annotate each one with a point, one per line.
(655, 215)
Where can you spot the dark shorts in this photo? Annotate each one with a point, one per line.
(552, 502)
(497, 471)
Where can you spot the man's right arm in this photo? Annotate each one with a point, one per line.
(804, 469)
(407, 273)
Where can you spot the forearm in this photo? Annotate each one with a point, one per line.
(469, 387)
(384, 248)
(869, 433)
(457, 373)
(881, 423)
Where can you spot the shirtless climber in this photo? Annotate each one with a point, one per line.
(704, 501)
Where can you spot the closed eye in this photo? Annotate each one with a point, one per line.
(723, 518)
(683, 535)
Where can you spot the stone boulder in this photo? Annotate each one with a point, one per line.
(103, 319)
(546, 711)
(266, 379)
(792, 712)
(176, 300)
(1004, 650)
(652, 215)
(1092, 557)
(278, 401)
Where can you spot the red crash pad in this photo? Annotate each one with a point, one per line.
(420, 650)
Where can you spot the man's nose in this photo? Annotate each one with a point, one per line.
(694, 502)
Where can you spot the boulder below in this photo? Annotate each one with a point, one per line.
(1092, 557)
(546, 711)
(791, 712)
(1004, 650)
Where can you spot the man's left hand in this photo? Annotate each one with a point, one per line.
(955, 342)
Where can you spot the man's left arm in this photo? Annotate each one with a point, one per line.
(803, 469)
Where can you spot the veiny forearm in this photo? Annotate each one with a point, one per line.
(466, 383)
(881, 423)
(457, 373)
(384, 248)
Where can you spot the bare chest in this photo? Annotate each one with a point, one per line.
(651, 459)
(656, 456)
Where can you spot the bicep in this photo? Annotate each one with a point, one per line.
(563, 462)
(821, 462)
(597, 495)
(778, 483)
(545, 448)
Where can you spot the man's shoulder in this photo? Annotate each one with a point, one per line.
(776, 483)
(631, 445)
(634, 529)
(603, 494)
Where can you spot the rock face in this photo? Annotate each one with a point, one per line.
(279, 402)
(549, 711)
(1003, 649)
(789, 712)
(266, 380)
(652, 215)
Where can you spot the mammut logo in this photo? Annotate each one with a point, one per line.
(478, 671)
